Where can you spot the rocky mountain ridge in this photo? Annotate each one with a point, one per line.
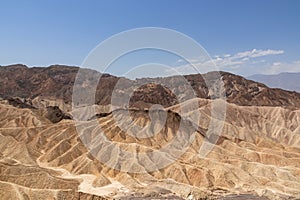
(56, 82)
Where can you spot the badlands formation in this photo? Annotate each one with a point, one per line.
(47, 154)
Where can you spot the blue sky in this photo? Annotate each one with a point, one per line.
(244, 37)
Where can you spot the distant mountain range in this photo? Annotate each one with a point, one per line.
(287, 81)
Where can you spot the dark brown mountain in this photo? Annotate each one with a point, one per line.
(57, 82)
(152, 93)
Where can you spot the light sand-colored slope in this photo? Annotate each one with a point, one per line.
(258, 152)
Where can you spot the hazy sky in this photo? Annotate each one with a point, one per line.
(244, 37)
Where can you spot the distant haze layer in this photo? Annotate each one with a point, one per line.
(287, 81)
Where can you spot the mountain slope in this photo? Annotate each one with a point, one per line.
(257, 153)
(56, 82)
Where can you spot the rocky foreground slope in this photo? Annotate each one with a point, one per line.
(257, 154)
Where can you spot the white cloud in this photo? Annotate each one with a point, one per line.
(278, 67)
(277, 63)
(227, 62)
(258, 53)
